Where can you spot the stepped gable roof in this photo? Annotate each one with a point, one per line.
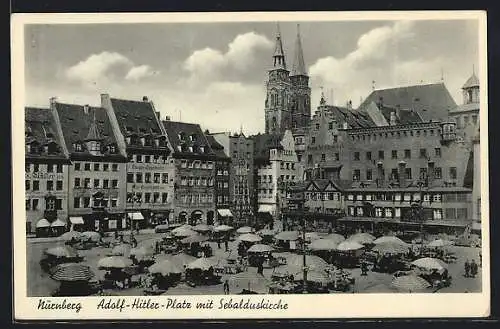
(136, 117)
(217, 148)
(265, 142)
(184, 135)
(354, 118)
(41, 129)
(77, 123)
(430, 101)
(403, 116)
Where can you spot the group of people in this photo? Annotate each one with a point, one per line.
(471, 269)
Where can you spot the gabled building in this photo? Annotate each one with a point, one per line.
(97, 173)
(46, 169)
(195, 172)
(222, 181)
(241, 178)
(276, 168)
(150, 167)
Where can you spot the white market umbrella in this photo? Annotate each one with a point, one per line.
(430, 263)
(244, 230)
(410, 283)
(391, 239)
(349, 245)
(260, 248)
(223, 228)
(440, 243)
(249, 237)
(323, 244)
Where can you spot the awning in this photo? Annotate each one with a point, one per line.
(58, 223)
(269, 208)
(42, 223)
(136, 216)
(225, 212)
(76, 220)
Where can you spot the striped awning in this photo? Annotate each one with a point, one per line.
(58, 223)
(43, 223)
(76, 220)
(136, 216)
(225, 212)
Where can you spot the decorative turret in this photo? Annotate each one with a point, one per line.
(279, 55)
(94, 138)
(471, 89)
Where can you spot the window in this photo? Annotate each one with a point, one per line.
(474, 119)
(164, 178)
(138, 177)
(437, 214)
(130, 177)
(368, 155)
(36, 167)
(164, 197)
(381, 154)
(407, 154)
(416, 197)
(27, 184)
(313, 140)
(408, 173)
(147, 158)
(50, 168)
(453, 172)
(450, 213)
(58, 204)
(397, 197)
(356, 156)
(156, 178)
(114, 203)
(351, 211)
(330, 125)
(114, 167)
(359, 197)
(105, 183)
(50, 185)
(335, 138)
(86, 202)
(369, 174)
(96, 167)
(317, 126)
(323, 157)
(397, 212)
(183, 164)
(359, 211)
(59, 185)
(96, 183)
(438, 173)
(378, 212)
(407, 197)
(147, 197)
(356, 175)
(423, 173)
(388, 212)
(114, 183)
(394, 174)
(86, 182)
(77, 166)
(423, 153)
(76, 202)
(138, 158)
(394, 154)
(105, 166)
(35, 204)
(436, 198)
(87, 166)
(147, 178)
(437, 152)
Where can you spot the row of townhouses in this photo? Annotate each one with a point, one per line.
(120, 165)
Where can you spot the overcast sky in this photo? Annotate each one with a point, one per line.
(214, 73)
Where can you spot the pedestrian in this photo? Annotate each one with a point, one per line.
(218, 243)
(226, 244)
(467, 268)
(116, 235)
(226, 287)
(473, 268)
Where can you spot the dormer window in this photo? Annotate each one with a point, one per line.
(179, 148)
(77, 147)
(202, 149)
(112, 149)
(143, 141)
(190, 149)
(182, 136)
(52, 148)
(193, 138)
(157, 142)
(94, 147)
(128, 139)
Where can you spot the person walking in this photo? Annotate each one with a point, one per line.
(467, 268)
(226, 287)
(226, 244)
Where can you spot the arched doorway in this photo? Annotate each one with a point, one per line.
(183, 217)
(210, 217)
(196, 217)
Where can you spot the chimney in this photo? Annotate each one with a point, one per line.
(430, 173)
(380, 174)
(402, 174)
(349, 105)
(145, 99)
(393, 119)
(167, 118)
(86, 108)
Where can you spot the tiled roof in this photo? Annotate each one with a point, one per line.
(217, 148)
(41, 130)
(403, 116)
(354, 118)
(192, 136)
(465, 108)
(76, 123)
(263, 143)
(431, 101)
(136, 117)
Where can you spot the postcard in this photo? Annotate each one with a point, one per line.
(250, 165)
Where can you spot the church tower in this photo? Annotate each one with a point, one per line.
(301, 101)
(279, 92)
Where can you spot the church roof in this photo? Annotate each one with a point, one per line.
(430, 101)
(265, 142)
(299, 67)
(473, 81)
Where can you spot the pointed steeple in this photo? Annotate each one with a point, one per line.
(299, 67)
(279, 54)
(94, 134)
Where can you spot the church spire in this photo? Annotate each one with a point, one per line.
(299, 67)
(279, 54)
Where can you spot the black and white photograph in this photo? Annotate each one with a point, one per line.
(240, 157)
